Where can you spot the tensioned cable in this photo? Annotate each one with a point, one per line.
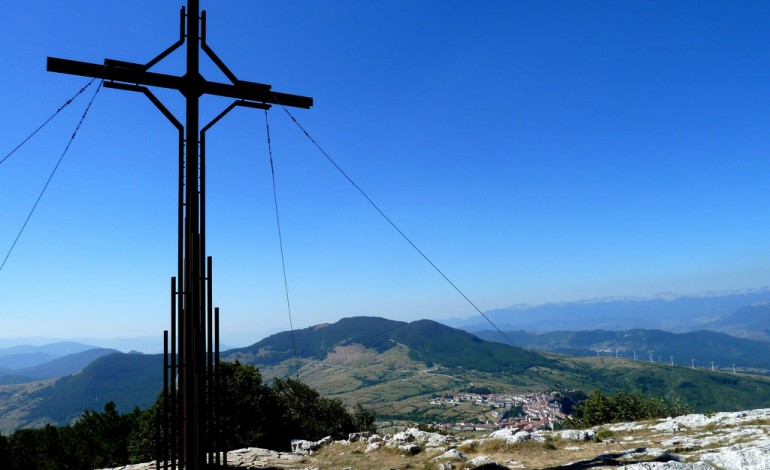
(408, 240)
(393, 224)
(50, 177)
(424, 256)
(66, 103)
(280, 243)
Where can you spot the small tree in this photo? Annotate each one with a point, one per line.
(3, 448)
(363, 419)
(308, 415)
(100, 440)
(22, 450)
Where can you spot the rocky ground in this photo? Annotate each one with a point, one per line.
(739, 440)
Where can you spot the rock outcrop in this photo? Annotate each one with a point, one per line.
(724, 441)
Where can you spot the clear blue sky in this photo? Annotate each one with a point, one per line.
(536, 151)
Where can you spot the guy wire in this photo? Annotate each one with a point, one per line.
(280, 243)
(408, 240)
(66, 103)
(50, 177)
(393, 224)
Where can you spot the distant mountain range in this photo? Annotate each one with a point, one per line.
(396, 367)
(145, 344)
(20, 364)
(744, 314)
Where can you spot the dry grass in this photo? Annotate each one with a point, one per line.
(337, 456)
(530, 454)
(757, 422)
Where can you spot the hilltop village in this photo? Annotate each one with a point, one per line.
(531, 412)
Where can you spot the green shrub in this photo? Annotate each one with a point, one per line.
(622, 406)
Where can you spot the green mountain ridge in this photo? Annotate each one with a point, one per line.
(700, 346)
(127, 379)
(428, 341)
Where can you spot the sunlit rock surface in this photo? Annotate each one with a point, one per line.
(719, 441)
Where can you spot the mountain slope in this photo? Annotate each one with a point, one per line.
(427, 341)
(13, 361)
(396, 367)
(127, 379)
(752, 322)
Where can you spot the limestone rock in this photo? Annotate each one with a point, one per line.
(452, 454)
(412, 449)
(358, 436)
(482, 463)
(303, 447)
(372, 446)
(504, 433)
(577, 434)
(511, 436)
(738, 457)
(427, 439)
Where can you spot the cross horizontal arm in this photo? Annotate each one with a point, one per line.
(241, 90)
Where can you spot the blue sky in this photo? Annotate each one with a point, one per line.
(535, 151)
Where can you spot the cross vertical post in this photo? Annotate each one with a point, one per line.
(193, 412)
(193, 405)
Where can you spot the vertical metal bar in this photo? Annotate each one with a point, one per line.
(216, 395)
(173, 417)
(205, 291)
(162, 453)
(219, 390)
(176, 346)
(210, 360)
(183, 298)
(205, 299)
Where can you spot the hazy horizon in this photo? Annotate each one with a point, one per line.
(154, 344)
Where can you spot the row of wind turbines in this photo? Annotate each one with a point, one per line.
(618, 354)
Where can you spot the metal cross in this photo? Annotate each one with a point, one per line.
(193, 415)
